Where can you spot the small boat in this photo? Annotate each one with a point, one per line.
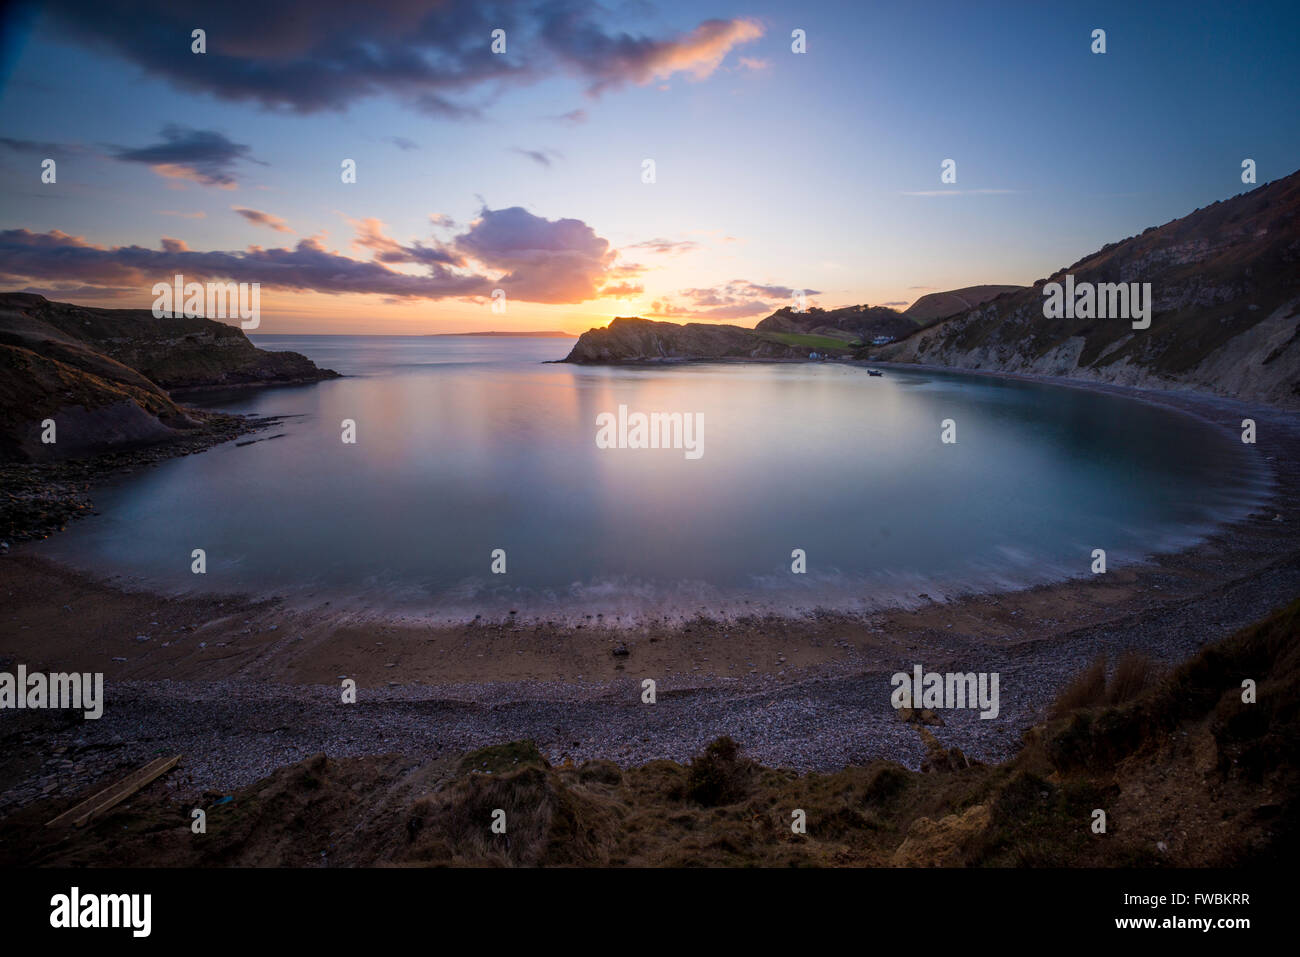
(874, 372)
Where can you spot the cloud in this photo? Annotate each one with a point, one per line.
(609, 61)
(540, 157)
(402, 143)
(666, 246)
(897, 303)
(534, 259)
(754, 63)
(573, 117)
(742, 287)
(737, 299)
(199, 214)
(307, 56)
(201, 156)
(44, 148)
(542, 260)
(622, 290)
(371, 235)
(58, 257)
(262, 219)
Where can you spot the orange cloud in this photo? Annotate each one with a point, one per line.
(262, 219)
(176, 171)
(700, 52)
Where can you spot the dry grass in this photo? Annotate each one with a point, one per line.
(1134, 673)
(1189, 773)
(1085, 690)
(719, 775)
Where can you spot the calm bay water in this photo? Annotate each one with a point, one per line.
(469, 444)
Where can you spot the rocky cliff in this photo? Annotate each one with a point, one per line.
(853, 324)
(644, 340)
(104, 375)
(941, 305)
(785, 334)
(1225, 318)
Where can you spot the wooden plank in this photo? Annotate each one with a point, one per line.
(115, 794)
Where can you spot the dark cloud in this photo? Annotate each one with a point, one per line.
(305, 55)
(313, 55)
(534, 259)
(202, 156)
(36, 146)
(540, 157)
(58, 257)
(402, 143)
(610, 60)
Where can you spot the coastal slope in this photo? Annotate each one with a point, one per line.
(1225, 287)
(1224, 315)
(786, 334)
(631, 339)
(105, 376)
(941, 305)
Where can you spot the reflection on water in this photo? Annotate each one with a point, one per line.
(466, 445)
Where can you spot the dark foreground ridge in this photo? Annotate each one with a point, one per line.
(1186, 771)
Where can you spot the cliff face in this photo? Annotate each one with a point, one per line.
(176, 353)
(102, 375)
(640, 340)
(785, 334)
(1225, 287)
(850, 323)
(941, 305)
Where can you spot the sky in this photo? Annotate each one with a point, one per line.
(523, 171)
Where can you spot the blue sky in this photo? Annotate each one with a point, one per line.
(775, 171)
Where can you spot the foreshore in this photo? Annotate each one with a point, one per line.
(40, 499)
(242, 686)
